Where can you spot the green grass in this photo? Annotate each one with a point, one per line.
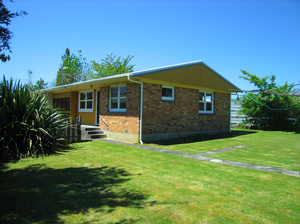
(97, 182)
(270, 148)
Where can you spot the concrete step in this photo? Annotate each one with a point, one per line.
(92, 129)
(94, 133)
(98, 136)
(91, 132)
(88, 134)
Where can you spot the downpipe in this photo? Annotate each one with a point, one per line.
(141, 107)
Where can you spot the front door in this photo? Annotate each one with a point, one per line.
(97, 107)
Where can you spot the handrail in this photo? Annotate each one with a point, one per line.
(103, 121)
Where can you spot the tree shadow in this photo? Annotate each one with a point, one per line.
(4, 164)
(40, 194)
(202, 138)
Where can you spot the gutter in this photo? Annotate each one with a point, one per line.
(141, 106)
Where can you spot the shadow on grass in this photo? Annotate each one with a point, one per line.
(40, 194)
(202, 137)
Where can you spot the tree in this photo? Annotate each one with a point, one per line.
(73, 69)
(271, 107)
(112, 65)
(40, 84)
(5, 35)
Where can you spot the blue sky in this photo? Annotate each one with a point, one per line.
(261, 37)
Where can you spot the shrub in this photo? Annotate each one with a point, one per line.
(272, 107)
(29, 125)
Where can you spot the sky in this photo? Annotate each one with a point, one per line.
(258, 36)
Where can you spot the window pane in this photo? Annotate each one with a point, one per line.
(201, 106)
(123, 103)
(123, 91)
(114, 104)
(167, 92)
(114, 92)
(82, 96)
(201, 96)
(208, 106)
(59, 103)
(89, 95)
(55, 103)
(89, 105)
(82, 105)
(66, 104)
(209, 97)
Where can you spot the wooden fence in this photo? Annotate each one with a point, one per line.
(73, 131)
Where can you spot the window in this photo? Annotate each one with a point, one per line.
(62, 103)
(117, 99)
(86, 101)
(206, 102)
(168, 93)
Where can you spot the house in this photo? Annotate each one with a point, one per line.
(176, 101)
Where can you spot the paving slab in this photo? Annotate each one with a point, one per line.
(199, 156)
(222, 150)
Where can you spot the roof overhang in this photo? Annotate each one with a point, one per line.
(144, 76)
(89, 84)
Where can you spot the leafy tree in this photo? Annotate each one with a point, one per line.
(5, 35)
(29, 125)
(73, 69)
(40, 84)
(112, 65)
(271, 107)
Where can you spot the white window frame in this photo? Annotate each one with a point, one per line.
(117, 109)
(205, 102)
(86, 100)
(168, 98)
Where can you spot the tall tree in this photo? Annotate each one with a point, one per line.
(112, 65)
(271, 106)
(40, 84)
(5, 35)
(73, 69)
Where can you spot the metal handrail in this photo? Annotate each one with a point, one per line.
(103, 121)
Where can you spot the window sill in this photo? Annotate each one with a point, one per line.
(117, 111)
(164, 100)
(85, 110)
(206, 113)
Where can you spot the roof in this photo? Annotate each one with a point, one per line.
(182, 65)
(139, 74)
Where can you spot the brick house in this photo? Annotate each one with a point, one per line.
(178, 100)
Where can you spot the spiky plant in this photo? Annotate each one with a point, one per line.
(29, 125)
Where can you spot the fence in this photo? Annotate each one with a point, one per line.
(73, 131)
(236, 118)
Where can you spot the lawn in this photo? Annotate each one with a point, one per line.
(97, 182)
(270, 148)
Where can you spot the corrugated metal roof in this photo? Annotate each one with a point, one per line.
(165, 68)
(137, 74)
(88, 82)
(160, 69)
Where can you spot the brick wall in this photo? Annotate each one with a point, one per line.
(163, 117)
(119, 122)
(182, 115)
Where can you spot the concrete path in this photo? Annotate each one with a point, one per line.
(199, 156)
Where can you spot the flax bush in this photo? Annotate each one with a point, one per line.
(29, 125)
